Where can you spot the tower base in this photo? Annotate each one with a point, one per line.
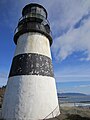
(30, 97)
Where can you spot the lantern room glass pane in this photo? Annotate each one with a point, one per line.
(33, 10)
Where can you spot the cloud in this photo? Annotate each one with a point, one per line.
(3, 82)
(61, 13)
(82, 86)
(77, 37)
(3, 79)
(3, 75)
(70, 78)
(74, 76)
(74, 40)
(77, 86)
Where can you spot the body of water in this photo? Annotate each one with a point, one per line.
(75, 101)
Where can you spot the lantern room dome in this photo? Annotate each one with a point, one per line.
(34, 9)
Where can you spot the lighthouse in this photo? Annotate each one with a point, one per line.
(31, 90)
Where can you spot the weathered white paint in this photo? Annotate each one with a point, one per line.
(33, 43)
(30, 97)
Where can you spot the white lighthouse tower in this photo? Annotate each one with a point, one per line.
(31, 89)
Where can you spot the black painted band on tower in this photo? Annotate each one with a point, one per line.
(31, 64)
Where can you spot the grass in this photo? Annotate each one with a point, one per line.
(73, 113)
(83, 112)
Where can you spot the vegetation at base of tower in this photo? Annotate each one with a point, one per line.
(67, 113)
(69, 117)
(75, 113)
(76, 117)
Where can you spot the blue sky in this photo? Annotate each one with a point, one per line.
(70, 26)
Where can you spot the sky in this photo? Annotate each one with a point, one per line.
(70, 26)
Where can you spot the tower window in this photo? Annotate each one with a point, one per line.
(33, 10)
